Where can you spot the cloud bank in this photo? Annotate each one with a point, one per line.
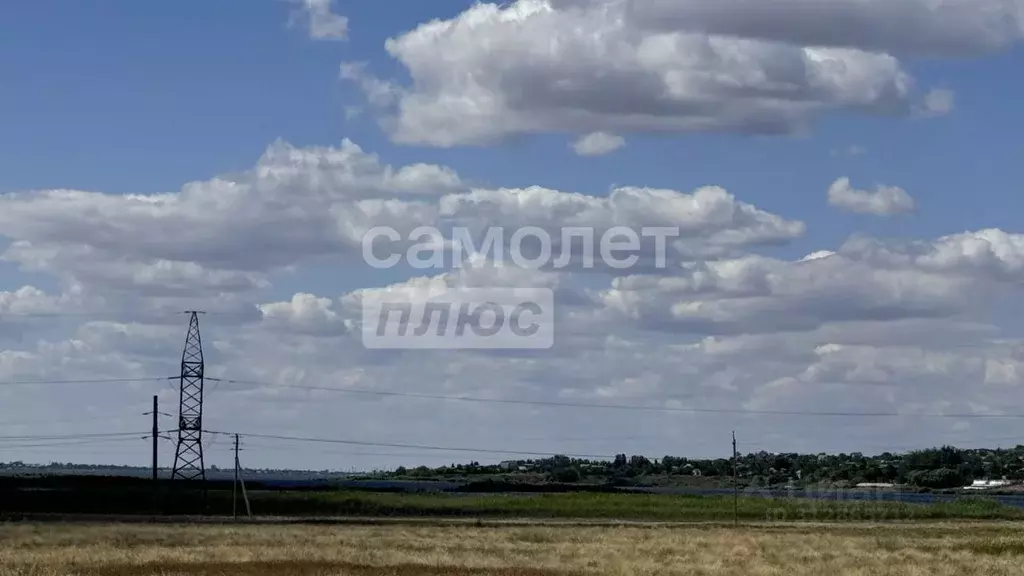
(660, 66)
(882, 201)
(870, 325)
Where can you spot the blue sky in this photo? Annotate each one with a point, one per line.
(142, 97)
(124, 97)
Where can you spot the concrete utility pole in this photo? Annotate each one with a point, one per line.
(735, 484)
(239, 481)
(156, 434)
(234, 485)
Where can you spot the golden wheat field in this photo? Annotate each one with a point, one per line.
(407, 550)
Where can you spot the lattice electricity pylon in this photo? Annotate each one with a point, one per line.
(188, 458)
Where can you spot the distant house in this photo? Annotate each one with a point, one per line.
(986, 484)
(507, 464)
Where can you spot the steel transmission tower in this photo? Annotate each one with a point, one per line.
(188, 459)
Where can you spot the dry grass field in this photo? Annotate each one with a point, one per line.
(405, 550)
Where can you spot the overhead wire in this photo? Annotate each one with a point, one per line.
(669, 409)
(35, 421)
(84, 381)
(331, 452)
(63, 444)
(408, 446)
(540, 403)
(72, 436)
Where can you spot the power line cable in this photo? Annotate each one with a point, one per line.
(68, 443)
(560, 404)
(409, 446)
(122, 316)
(329, 452)
(72, 436)
(82, 381)
(882, 448)
(13, 315)
(35, 421)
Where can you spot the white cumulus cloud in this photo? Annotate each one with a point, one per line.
(660, 66)
(321, 20)
(598, 144)
(903, 27)
(871, 324)
(939, 102)
(882, 201)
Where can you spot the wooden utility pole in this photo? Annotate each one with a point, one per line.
(735, 484)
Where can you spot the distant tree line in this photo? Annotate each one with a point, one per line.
(936, 468)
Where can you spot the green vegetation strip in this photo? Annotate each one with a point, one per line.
(668, 508)
(129, 497)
